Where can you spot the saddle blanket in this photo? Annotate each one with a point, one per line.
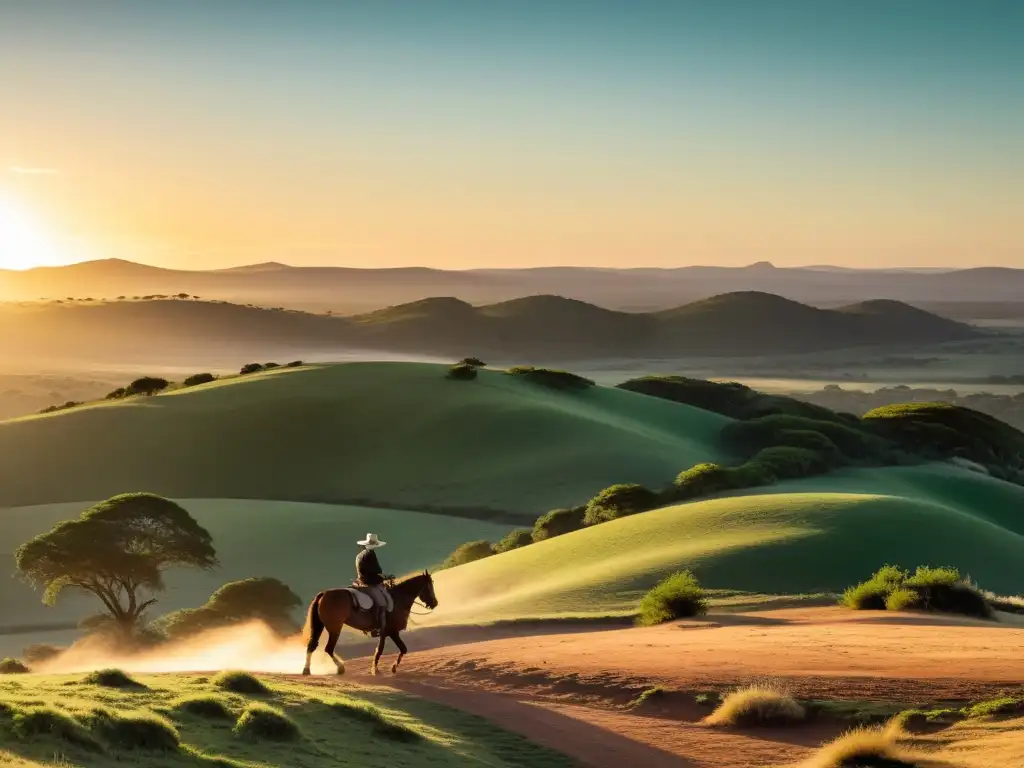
(363, 600)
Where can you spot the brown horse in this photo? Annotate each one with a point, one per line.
(334, 608)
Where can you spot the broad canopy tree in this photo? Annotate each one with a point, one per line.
(118, 551)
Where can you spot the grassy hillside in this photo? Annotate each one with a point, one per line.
(168, 721)
(397, 433)
(812, 535)
(308, 546)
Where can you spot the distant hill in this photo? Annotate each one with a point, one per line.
(349, 290)
(532, 328)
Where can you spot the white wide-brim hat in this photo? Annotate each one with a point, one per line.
(371, 541)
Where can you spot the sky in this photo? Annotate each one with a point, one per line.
(493, 133)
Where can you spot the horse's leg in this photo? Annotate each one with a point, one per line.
(402, 650)
(332, 641)
(378, 652)
(314, 626)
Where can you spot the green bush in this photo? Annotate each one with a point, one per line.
(294, 364)
(111, 678)
(676, 597)
(514, 540)
(116, 394)
(240, 682)
(751, 436)
(786, 463)
(547, 377)
(250, 368)
(33, 722)
(262, 723)
(468, 553)
(705, 479)
(199, 378)
(271, 366)
(263, 599)
(11, 666)
(931, 589)
(476, 362)
(137, 730)
(619, 501)
(558, 522)
(204, 706)
(462, 372)
(147, 385)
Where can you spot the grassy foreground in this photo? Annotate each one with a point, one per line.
(793, 538)
(179, 720)
(400, 433)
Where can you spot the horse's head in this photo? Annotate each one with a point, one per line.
(427, 591)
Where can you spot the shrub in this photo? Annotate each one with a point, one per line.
(240, 682)
(136, 730)
(866, 748)
(785, 463)
(250, 368)
(757, 706)
(705, 479)
(262, 598)
(147, 385)
(270, 366)
(11, 666)
(462, 372)
(469, 552)
(365, 712)
(199, 378)
(33, 722)
(785, 430)
(294, 364)
(204, 706)
(558, 522)
(111, 678)
(40, 652)
(514, 540)
(116, 394)
(678, 596)
(547, 377)
(475, 362)
(619, 501)
(1004, 705)
(258, 722)
(930, 589)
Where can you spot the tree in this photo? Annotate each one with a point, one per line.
(468, 552)
(264, 599)
(117, 551)
(476, 362)
(182, 295)
(619, 501)
(251, 368)
(199, 378)
(147, 385)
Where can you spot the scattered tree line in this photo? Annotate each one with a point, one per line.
(466, 370)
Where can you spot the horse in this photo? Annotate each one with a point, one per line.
(334, 608)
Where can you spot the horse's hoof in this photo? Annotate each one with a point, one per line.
(394, 669)
(341, 671)
(373, 671)
(305, 671)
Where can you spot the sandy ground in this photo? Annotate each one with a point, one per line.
(568, 691)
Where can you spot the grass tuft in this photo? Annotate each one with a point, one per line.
(35, 722)
(204, 706)
(757, 705)
(678, 596)
(1005, 705)
(240, 682)
(647, 697)
(135, 730)
(365, 712)
(112, 678)
(867, 748)
(10, 666)
(258, 722)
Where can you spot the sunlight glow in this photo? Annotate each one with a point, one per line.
(24, 240)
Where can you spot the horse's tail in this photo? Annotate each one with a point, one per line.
(314, 624)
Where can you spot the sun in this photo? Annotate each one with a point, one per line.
(24, 240)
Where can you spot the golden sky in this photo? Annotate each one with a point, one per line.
(458, 137)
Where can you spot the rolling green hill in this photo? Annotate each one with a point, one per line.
(806, 536)
(308, 546)
(393, 433)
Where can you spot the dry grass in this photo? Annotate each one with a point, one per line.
(757, 705)
(870, 748)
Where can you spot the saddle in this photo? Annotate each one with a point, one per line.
(362, 599)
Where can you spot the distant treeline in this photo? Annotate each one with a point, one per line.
(1008, 408)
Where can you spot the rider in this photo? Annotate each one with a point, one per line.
(372, 577)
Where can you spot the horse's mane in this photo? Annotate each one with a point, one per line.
(411, 577)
